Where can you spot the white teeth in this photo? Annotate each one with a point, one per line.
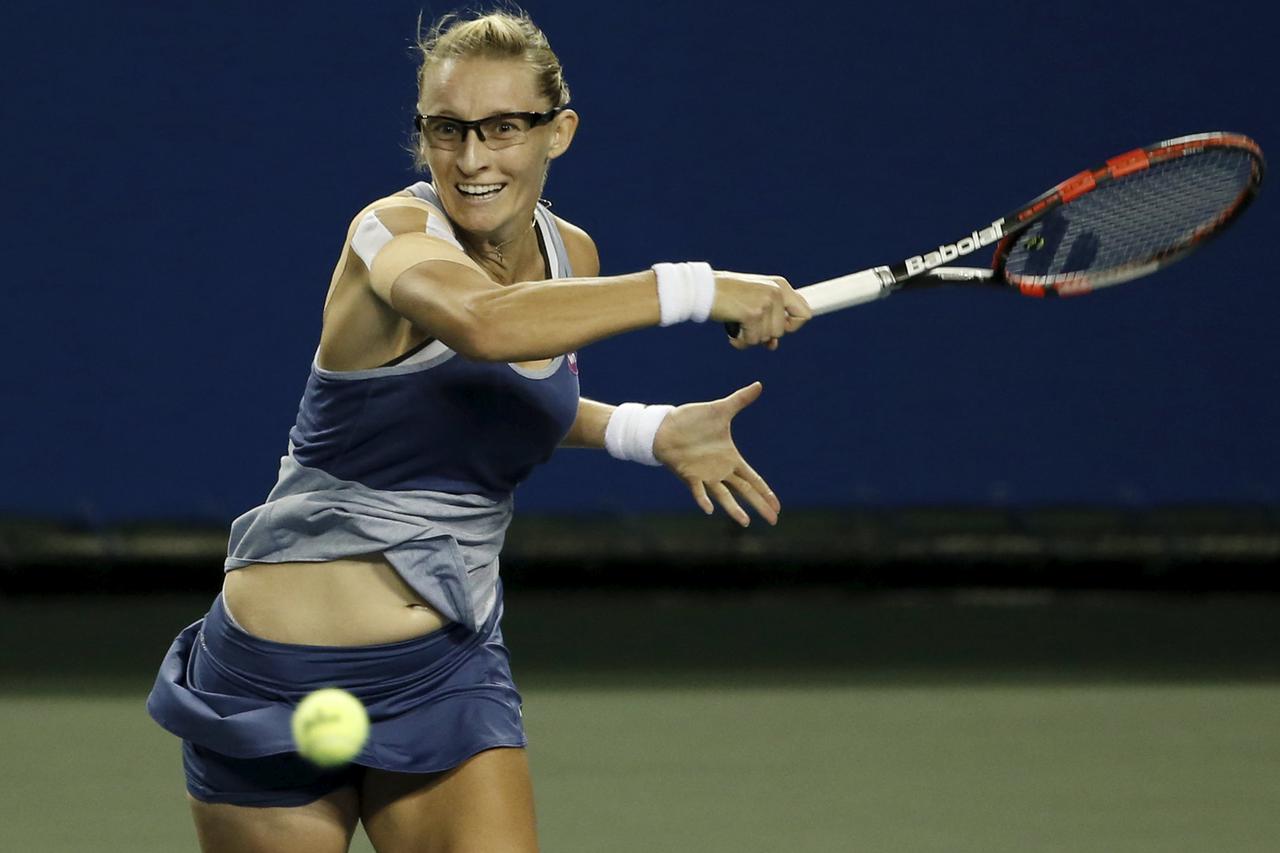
(479, 189)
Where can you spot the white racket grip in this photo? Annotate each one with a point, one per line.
(847, 290)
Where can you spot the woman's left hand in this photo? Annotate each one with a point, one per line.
(694, 441)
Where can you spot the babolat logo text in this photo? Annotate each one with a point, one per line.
(949, 252)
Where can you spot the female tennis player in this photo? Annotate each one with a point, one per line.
(445, 372)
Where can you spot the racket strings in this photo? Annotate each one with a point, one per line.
(1120, 229)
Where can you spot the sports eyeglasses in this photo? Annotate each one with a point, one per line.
(497, 131)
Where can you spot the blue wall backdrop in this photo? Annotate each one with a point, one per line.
(178, 179)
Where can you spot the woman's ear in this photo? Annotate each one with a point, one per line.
(563, 129)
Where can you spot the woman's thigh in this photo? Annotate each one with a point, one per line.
(323, 826)
(484, 805)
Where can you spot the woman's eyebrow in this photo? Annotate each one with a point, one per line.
(448, 113)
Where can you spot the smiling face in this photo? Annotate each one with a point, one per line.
(489, 193)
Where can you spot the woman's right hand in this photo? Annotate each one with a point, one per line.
(765, 307)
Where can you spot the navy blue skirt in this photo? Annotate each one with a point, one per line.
(433, 702)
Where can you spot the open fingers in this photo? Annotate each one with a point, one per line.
(743, 397)
(699, 490)
(753, 496)
(757, 483)
(731, 507)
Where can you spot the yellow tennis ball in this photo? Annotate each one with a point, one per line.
(330, 727)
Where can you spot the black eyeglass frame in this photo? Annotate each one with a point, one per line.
(534, 119)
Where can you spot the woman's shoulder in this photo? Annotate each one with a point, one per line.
(581, 248)
(403, 212)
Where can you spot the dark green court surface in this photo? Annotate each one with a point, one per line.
(822, 722)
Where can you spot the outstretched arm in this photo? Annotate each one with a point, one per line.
(432, 283)
(696, 443)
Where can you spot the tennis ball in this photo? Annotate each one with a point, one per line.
(330, 727)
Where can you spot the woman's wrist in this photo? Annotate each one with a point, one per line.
(631, 431)
(686, 291)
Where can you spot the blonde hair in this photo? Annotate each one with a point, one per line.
(492, 35)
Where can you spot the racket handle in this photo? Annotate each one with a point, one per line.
(847, 290)
(836, 293)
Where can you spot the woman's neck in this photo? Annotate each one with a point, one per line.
(504, 256)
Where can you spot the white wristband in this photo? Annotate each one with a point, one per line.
(685, 292)
(631, 430)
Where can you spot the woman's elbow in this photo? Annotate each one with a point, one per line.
(479, 345)
(473, 342)
(479, 340)
(469, 333)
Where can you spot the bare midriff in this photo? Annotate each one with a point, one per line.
(357, 601)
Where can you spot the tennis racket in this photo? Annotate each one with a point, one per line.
(1133, 215)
